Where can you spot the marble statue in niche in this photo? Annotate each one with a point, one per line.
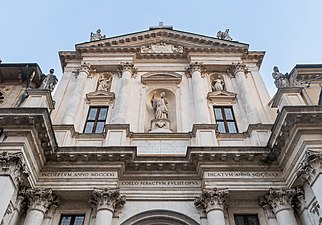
(104, 84)
(217, 84)
(160, 106)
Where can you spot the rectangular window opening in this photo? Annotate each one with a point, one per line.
(249, 219)
(96, 120)
(225, 119)
(72, 220)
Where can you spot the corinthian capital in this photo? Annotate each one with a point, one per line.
(107, 199)
(127, 66)
(236, 68)
(193, 67)
(13, 164)
(85, 68)
(280, 199)
(310, 166)
(212, 199)
(40, 199)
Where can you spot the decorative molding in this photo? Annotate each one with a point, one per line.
(311, 166)
(161, 78)
(14, 165)
(86, 68)
(107, 199)
(212, 199)
(100, 97)
(193, 67)
(281, 199)
(161, 48)
(40, 199)
(236, 68)
(222, 97)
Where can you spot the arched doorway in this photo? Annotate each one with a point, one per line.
(160, 217)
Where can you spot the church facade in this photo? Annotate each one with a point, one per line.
(160, 127)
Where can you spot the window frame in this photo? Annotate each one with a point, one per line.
(224, 119)
(73, 217)
(96, 121)
(244, 216)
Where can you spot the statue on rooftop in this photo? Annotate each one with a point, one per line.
(281, 80)
(224, 35)
(49, 81)
(160, 106)
(97, 36)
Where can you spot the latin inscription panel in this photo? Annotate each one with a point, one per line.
(161, 147)
(160, 183)
(252, 175)
(79, 175)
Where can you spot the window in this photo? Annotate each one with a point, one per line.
(72, 220)
(225, 119)
(96, 120)
(246, 220)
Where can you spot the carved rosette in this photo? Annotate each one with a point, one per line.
(199, 67)
(40, 199)
(127, 67)
(107, 200)
(310, 166)
(281, 199)
(13, 164)
(236, 68)
(212, 200)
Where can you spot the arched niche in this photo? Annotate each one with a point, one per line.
(160, 217)
(217, 77)
(150, 114)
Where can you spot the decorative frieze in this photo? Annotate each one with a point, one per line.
(310, 166)
(107, 199)
(211, 199)
(281, 199)
(13, 164)
(236, 68)
(161, 48)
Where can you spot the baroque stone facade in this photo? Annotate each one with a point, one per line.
(160, 127)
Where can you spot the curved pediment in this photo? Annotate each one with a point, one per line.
(161, 77)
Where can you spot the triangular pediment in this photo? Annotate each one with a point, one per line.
(163, 37)
(100, 97)
(220, 97)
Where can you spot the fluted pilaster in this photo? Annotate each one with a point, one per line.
(310, 171)
(13, 171)
(196, 72)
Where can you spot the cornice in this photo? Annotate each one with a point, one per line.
(307, 117)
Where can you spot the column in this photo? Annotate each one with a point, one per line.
(213, 203)
(239, 71)
(121, 102)
(199, 98)
(106, 202)
(39, 201)
(281, 202)
(12, 171)
(77, 94)
(310, 171)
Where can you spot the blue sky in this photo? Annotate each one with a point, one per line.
(290, 31)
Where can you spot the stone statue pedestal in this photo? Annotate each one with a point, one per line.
(160, 126)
